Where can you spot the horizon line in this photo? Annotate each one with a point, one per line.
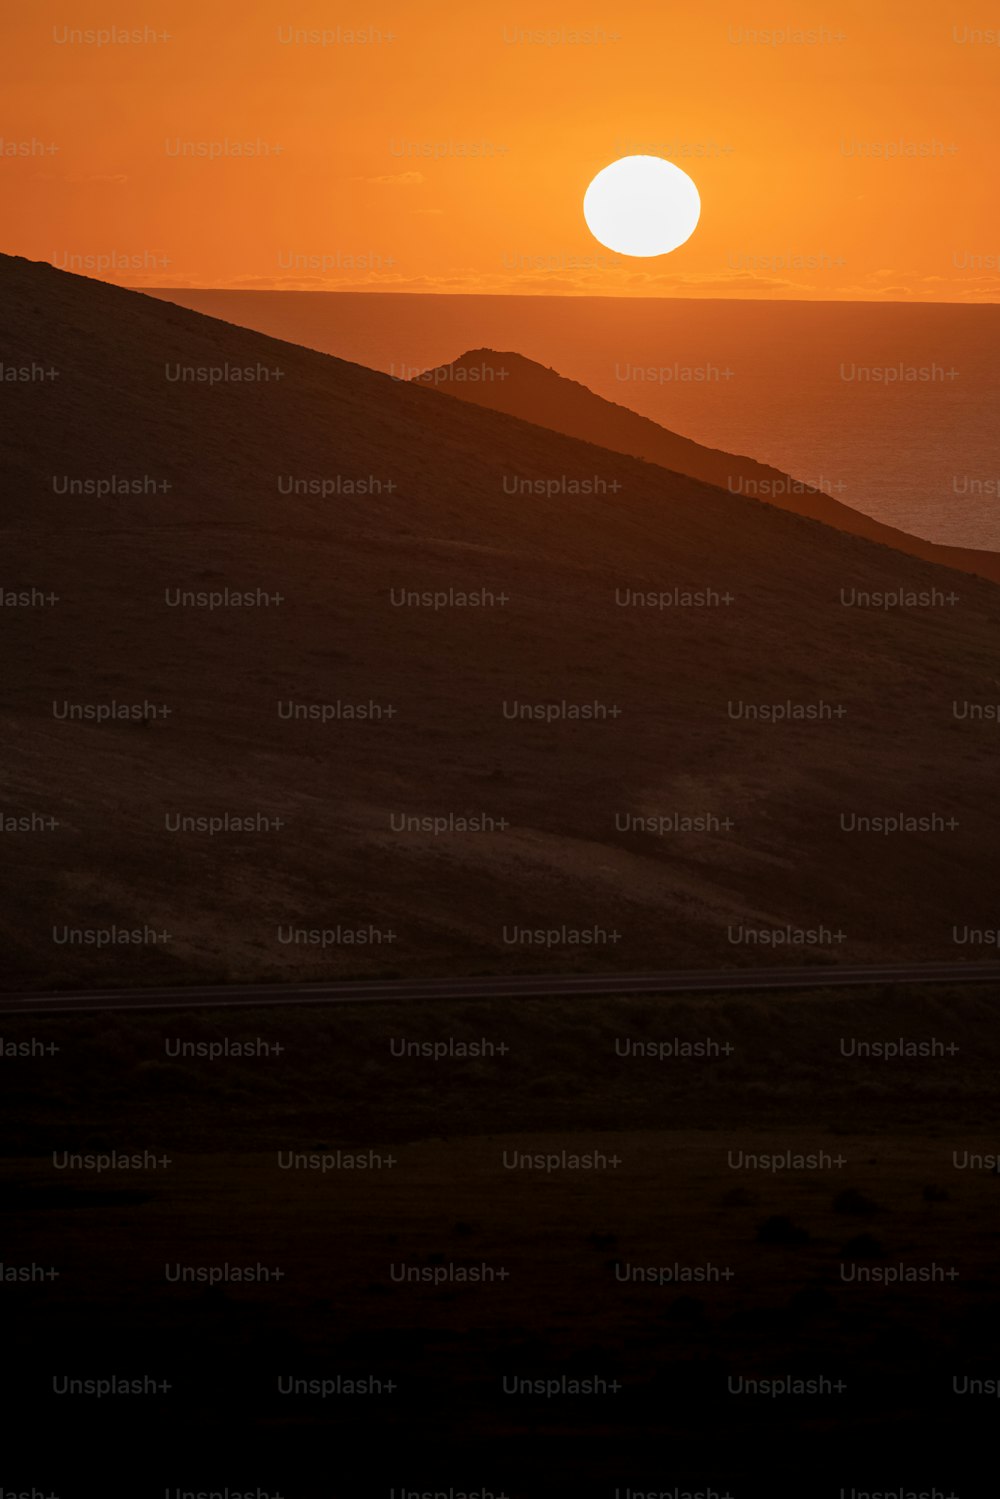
(552, 296)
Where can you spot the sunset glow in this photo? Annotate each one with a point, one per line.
(443, 149)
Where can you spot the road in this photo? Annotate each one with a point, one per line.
(508, 986)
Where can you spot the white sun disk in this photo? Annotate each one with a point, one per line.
(642, 205)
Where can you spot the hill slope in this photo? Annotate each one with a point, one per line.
(563, 544)
(521, 387)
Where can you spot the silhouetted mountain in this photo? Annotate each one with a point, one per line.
(521, 387)
(172, 457)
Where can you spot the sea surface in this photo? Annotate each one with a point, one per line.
(892, 408)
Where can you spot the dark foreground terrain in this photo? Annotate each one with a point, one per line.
(454, 1260)
(314, 673)
(310, 673)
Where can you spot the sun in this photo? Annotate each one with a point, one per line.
(642, 205)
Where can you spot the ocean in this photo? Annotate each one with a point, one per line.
(891, 408)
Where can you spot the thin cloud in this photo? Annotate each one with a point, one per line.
(396, 179)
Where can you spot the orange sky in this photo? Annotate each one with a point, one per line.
(789, 142)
